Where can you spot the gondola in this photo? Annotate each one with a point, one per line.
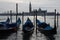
(28, 27)
(4, 23)
(45, 28)
(14, 26)
(11, 26)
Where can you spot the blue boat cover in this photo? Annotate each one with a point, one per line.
(8, 20)
(14, 24)
(41, 24)
(44, 25)
(48, 28)
(28, 23)
(38, 23)
(19, 21)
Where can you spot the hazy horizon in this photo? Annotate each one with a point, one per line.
(49, 5)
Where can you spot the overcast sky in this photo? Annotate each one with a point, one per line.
(50, 5)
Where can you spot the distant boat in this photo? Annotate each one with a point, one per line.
(45, 28)
(28, 27)
(11, 26)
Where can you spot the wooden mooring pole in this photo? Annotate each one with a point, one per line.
(57, 19)
(55, 22)
(16, 11)
(35, 12)
(11, 16)
(45, 16)
(36, 23)
(16, 18)
(22, 19)
(34, 20)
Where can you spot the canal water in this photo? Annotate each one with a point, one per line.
(22, 36)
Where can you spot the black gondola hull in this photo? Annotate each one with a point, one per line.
(48, 32)
(26, 31)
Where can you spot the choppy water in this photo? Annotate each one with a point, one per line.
(21, 36)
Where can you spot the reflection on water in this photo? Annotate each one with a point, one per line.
(4, 35)
(24, 36)
(27, 36)
(51, 37)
